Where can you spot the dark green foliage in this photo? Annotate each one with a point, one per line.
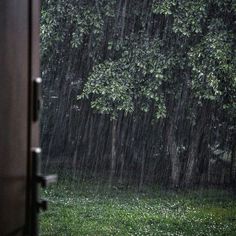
(131, 83)
(206, 40)
(164, 69)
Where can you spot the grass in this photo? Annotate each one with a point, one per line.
(92, 209)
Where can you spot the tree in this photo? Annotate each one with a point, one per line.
(163, 67)
(129, 85)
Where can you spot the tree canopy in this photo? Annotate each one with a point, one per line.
(171, 63)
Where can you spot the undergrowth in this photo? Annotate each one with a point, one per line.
(91, 208)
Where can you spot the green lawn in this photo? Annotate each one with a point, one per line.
(90, 209)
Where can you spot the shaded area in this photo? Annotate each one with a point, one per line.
(140, 91)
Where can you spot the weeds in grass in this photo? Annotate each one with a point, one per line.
(92, 209)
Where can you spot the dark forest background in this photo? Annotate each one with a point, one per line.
(140, 91)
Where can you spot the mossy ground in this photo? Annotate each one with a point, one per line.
(92, 209)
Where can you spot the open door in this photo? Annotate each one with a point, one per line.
(19, 116)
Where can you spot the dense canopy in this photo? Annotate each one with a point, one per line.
(141, 85)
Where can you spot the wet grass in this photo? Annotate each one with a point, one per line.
(92, 209)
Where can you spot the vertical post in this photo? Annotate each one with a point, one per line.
(14, 107)
(33, 117)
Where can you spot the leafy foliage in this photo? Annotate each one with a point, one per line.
(172, 60)
(188, 16)
(132, 78)
(213, 61)
(131, 83)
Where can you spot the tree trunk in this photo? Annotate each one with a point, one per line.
(190, 168)
(197, 134)
(175, 166)
(174, 158)
(113, 153)
(142, 169)
(121, 168)
(74, 164)
(233, 166)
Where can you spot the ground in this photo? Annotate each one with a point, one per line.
(92, 209)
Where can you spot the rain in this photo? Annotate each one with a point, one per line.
(138, 117)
